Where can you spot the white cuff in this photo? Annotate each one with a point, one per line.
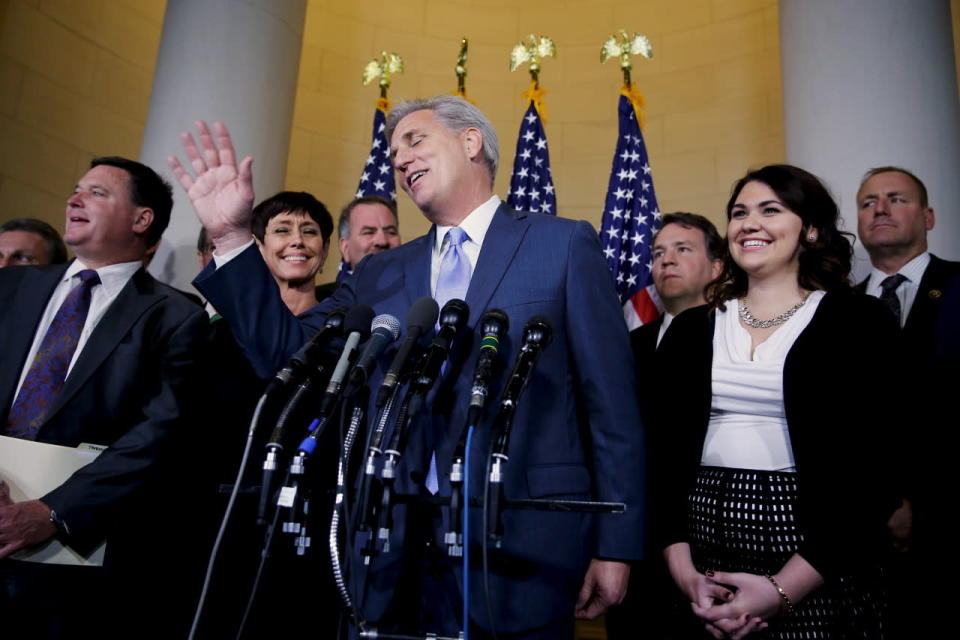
(219, 261)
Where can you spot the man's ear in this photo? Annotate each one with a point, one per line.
(142, 220)
(472, 142)
(929, 218)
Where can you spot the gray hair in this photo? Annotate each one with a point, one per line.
(457, 115)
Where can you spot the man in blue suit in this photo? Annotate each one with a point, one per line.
(577, 432)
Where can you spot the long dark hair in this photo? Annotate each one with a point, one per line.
(824, 263)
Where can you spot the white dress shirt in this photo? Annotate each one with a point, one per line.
(667, 319)
(907, 291)
(113, 279)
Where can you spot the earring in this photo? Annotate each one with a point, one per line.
(812, 237)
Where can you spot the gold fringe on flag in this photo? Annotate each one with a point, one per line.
(535, 94)
(637, 100)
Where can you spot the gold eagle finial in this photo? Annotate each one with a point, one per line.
(532, 50)
(624, 45)
(383, 67)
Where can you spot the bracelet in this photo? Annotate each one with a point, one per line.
(787, 603)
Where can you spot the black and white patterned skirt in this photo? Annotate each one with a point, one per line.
(745, 520)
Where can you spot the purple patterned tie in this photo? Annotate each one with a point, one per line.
(49, 369)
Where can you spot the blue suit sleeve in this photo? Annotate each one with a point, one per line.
(600, 350)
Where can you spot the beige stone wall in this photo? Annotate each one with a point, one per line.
(712, 90)
(75, 78)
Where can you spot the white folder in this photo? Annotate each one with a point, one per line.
(31, 470)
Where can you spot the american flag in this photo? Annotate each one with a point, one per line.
(630, 218)
(531, 187)
(377, 177)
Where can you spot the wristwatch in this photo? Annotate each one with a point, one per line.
(61, 526)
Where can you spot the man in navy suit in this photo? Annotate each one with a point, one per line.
(124, 390)
(894, 217)
(577, 432)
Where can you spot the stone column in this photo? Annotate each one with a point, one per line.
(230, 60)
(868, 83)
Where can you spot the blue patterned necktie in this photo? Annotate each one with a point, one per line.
(45, 378)
(888, 293)
(453, 281)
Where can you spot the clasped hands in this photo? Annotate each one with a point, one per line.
(733, 613)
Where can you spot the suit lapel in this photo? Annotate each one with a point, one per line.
(500, 245)
(925, 305)
(134, 299)
(416, 272)
(24, 308)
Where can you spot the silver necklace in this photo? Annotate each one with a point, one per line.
(775, 321)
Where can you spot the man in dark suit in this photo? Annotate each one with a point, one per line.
(577, 433)
(124, 363)
(30, 241)
(686, 257)
(894, 217)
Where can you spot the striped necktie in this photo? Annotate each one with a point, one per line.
(888, 294)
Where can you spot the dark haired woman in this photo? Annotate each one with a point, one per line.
(293, 232)
(770, 456)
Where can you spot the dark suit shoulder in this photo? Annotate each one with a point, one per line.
(940, 270)
(173, 303)
(13, 276)
(643, 339)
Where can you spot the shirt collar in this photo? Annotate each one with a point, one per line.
(912, 271)
(113, 277)
(475, 224)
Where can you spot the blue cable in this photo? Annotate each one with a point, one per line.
(466, 537)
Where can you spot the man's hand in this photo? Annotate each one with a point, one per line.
(22, 524)
(222, 192)
(604, 585)
(900, 526)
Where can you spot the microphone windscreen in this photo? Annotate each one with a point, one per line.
(388, 322)
(494, 321)
(538, 331)
(358, 320)
(423, 313)
(455, 312)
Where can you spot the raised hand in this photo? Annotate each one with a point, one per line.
(222, 192)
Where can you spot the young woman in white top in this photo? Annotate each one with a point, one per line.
(767, 497)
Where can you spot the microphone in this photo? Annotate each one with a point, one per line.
(420, 318)
(310, 352)
(453, 317)
(307, 356)
(356, 325)
(493, 325)
(536, 336)
(383, 331)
